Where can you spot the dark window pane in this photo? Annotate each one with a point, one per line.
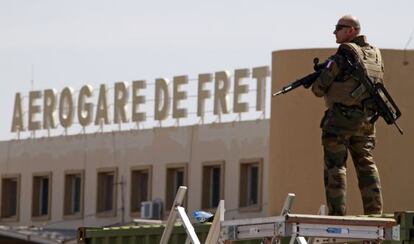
(139, 188)
(215, 186)
(253, 184)
(76, 194)
(9, 198)
(143, 186)
(175, 179)
(44, 196)
(13, 197)
(108, 192)
(179, 179)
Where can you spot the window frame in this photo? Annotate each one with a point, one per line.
(16, 217)
(113, 212)
(133, 169)
(175, 166)
(79, 215)
(47, 216)
(209, 165)
(243, 206)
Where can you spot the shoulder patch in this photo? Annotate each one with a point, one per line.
(329, 64)
(341, 60)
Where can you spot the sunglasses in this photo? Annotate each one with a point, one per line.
(340, 27)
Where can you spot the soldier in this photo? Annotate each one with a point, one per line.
(348, 123)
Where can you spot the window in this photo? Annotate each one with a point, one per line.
(213, 184)
(176, 177)
(106, 200)
(41, 196)
(10, 197)
(73, 203)
(140, 187)
(251, 184)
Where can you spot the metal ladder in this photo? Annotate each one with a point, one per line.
(177, 211)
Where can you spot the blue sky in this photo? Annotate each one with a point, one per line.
(58, 43)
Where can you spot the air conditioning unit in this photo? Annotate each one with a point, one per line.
(146, 210)
(152, 209)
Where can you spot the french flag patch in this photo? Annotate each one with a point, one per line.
(329, 64)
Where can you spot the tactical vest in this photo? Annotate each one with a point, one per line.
(369, 58)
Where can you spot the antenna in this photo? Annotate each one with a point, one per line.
(33, 133)
(32, 77)
(405, 62)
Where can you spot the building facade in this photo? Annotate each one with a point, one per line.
(101, 179)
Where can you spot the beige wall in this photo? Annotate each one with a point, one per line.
(158, 147)
(296, 160)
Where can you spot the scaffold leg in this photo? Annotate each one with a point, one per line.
(178, 211)
(214, 232)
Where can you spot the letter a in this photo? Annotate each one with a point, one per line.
(17, 122)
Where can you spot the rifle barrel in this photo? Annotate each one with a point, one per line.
(398, 127)
(277, 93)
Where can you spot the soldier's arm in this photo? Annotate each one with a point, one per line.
(321, 85)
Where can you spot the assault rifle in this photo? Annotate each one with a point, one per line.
(306, 81)
(384, 105)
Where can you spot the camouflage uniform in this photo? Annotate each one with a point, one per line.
(346, 126)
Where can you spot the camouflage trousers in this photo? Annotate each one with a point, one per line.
(336, 149)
